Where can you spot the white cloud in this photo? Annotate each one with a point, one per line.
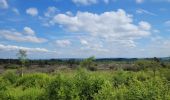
(50, 11)
(104, 32)
(167, 23)
(156, 31)
(139, 1)
(90, 2)
(29, 31)
(3, 4)
(92, 45)
(63, 43)
(144, 25)
(108, 25)
(69, 13)
(85, 2)
(14, 48)
(106, 1)
(13, 35)
(159, 47)
(84, 42)
(16, 11)
(142, 11)
(32, 11)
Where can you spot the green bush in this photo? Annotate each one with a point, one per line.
(152, 89)
(11, 76)
(88, 64)
(3, 84)
(142, 76)
(121, 78)
(165, 73)
(62, 88)
(20, 94)
(88, 84)
(106, 93)
(33, 80)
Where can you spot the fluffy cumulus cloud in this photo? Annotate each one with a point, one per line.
(3, 4)
(26, 36)
(111, 26)
(32, 11)
(63, 43)
(15, 48)
(29, 31)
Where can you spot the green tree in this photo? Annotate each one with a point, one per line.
(22, 56)
(88, 63)
(155, 65)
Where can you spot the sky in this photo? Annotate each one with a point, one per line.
(81, 28)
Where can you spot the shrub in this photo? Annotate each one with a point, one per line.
(121, 78)
(31, 94)
(142, 76)
(106, 93)
(88, 84)
(152, 89)
(33, 80)
(20, 94)
(89, 64)
(62, 88)
(11, 76)
(165, 73)
(3, 84)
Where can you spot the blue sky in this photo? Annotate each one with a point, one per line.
(83, 28)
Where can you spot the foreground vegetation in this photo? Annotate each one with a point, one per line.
(82, 84)
(143, 80)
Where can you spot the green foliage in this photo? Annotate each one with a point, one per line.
(62, 88)
(11, 76)
(22, 56)
(19, 94)
(121, 78)
(142, 76)
(3, 84)
(89, 64)
(152, 89)
(86, 85)
(165, 73)
(142, 64)
(33, 80)
(106, 93)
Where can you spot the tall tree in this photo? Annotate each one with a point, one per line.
(155, 65)
(22, 56)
